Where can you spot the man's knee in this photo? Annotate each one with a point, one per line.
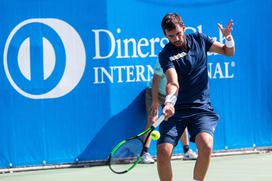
(164, 150)
(205, 143)
(206, 149)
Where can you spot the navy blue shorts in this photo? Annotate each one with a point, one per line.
(172, 129)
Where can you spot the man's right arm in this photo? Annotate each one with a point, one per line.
(172, 88)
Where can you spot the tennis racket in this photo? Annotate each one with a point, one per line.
(128, 153)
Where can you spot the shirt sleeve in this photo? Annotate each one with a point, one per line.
(208, 41)
(165, 62)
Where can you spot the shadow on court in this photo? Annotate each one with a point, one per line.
(116, 129)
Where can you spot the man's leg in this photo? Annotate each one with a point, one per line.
(188, 153)
(184, 138)
(204, 142)
(147, 158)
(164, 153)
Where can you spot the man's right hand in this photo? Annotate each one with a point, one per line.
(168, 110)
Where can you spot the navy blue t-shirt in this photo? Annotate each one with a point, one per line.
(191, 67)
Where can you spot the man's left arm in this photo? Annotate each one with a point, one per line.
(228, 48)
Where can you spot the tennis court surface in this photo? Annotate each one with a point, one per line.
(251, 167)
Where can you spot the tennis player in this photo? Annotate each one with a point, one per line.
(154, 99)
(187, 104)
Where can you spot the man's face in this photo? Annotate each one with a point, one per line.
(176, 36)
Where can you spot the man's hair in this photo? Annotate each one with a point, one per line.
(170, 22)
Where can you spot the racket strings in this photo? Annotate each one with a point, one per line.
(126, 155)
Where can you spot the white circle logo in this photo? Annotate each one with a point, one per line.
(38, 68)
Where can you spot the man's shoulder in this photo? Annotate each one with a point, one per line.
(198, 38)
(197, 35)
(194, 36)
(166, 50)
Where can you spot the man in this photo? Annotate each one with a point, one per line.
(154, 98)
(187, 104)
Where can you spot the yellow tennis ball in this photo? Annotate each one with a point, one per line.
(155, 135)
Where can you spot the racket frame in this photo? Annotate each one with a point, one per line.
(148, 132)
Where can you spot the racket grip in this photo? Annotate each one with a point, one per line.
(159, 121)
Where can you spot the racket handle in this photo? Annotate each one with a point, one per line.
(159, 121)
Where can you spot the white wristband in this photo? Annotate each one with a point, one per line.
(229, 44)
(171, 99)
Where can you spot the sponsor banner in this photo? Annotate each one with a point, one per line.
(73, 74)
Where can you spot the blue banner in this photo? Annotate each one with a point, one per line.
(74, 72)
